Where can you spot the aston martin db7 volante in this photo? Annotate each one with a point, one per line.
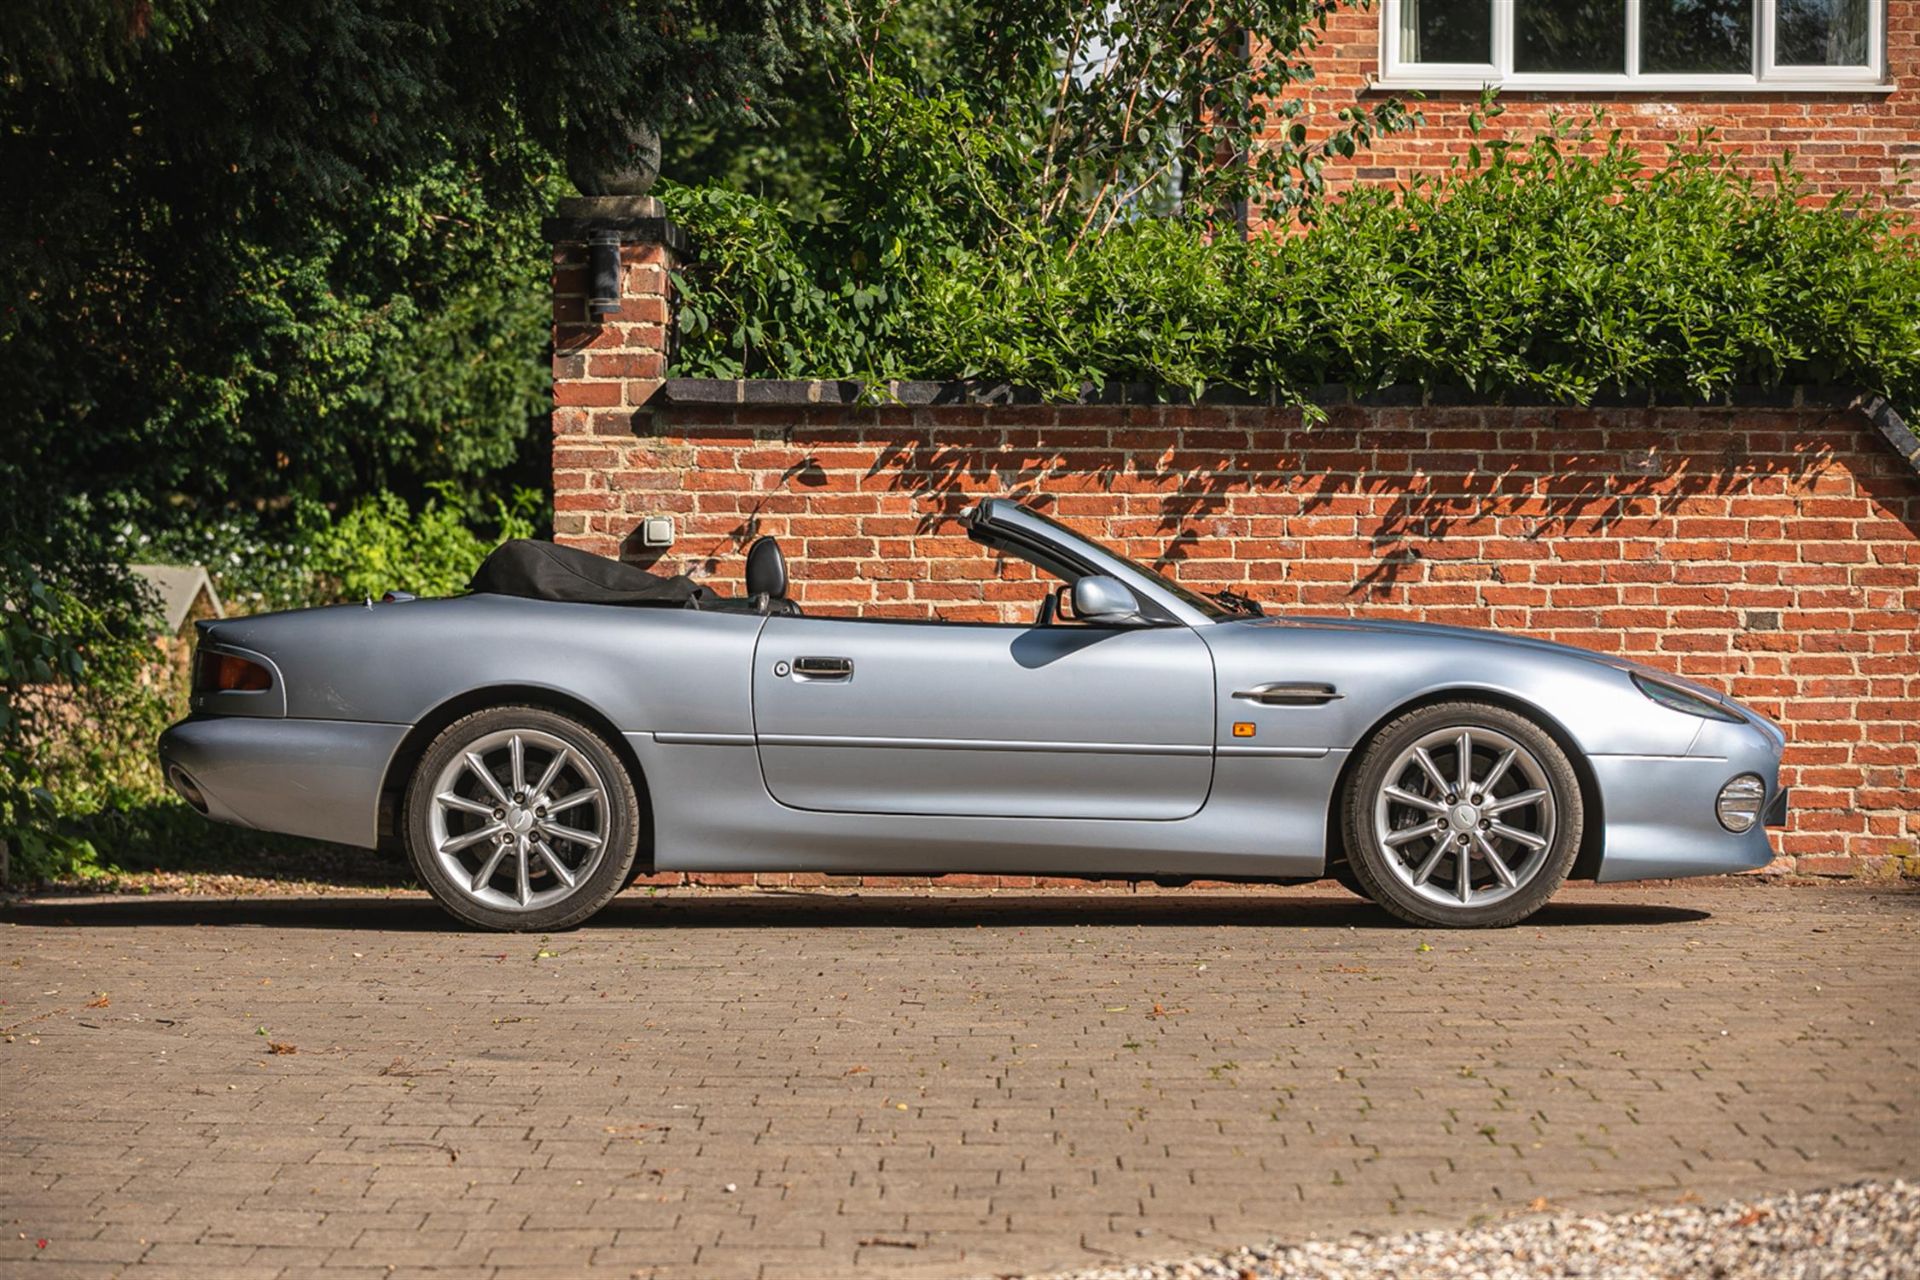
(574, 722)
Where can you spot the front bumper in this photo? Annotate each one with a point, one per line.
(314, 778)
(1659, 810)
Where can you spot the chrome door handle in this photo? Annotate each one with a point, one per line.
(1281, 693)
(823, 668)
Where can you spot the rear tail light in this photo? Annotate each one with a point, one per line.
(230, 673)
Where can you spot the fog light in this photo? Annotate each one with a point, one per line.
(1739, 804)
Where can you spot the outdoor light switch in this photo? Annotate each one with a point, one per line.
(656, 531)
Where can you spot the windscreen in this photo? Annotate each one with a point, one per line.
(1193, 599)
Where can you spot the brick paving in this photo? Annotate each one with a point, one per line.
(761, 1084)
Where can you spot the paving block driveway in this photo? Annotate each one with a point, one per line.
(748, 1084)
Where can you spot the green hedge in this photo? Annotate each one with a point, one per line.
(84, 691)
(1564, 269)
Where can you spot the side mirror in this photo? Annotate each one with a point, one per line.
(1105, 602)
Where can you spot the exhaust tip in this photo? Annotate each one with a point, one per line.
(183, 784)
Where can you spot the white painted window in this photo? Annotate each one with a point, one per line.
(1593, 45)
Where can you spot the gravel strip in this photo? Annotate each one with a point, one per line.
(1865, 1232)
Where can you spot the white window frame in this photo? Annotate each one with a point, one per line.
(1766, 76)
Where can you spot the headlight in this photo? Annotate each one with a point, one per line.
(1739, 804)
(1675, 698)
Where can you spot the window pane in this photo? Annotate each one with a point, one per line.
(1821, 33)
(1696, 35)
(1570, 36)
(1446, 31)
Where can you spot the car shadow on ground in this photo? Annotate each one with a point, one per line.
(764, 909)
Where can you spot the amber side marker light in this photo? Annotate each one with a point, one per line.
(227, 673)
(1243, 728)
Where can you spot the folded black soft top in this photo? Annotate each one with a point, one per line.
(541, 571)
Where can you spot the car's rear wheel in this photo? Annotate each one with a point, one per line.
(519, 818)
(1463, 815)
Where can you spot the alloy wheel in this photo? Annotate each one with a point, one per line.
(1465, 816)
(518, 820)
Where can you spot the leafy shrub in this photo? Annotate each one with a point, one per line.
(85, 690)
(257, 566)
(382, 544)
(82, 694)
(308, 557)
(1560, 269)
(753, 303)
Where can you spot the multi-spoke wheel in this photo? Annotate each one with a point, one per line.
(1463, 814)
(520, 818)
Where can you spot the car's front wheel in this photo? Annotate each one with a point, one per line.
(519, 818)
(1463, 815)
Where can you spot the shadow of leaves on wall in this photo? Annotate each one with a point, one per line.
(1346, 512)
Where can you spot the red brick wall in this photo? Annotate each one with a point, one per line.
(606, 365)
(1843, 141)
(1772, 551)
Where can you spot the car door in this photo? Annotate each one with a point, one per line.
(955, 719)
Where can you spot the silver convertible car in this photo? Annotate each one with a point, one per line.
(533, 753)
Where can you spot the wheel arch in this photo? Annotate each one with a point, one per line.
(406, 757)
(1586, 865)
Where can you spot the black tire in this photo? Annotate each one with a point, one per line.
(1545, 868)
(617, 814)
(1340, 871)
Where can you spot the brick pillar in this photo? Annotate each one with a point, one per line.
(607, 366)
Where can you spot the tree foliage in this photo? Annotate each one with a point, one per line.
(985, 132)
(1075, 117)
(263, 254)
(277, 246)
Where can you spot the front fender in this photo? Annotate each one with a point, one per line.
(1657, 771)
(1376, 672)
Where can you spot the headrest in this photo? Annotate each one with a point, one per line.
(766, 570)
